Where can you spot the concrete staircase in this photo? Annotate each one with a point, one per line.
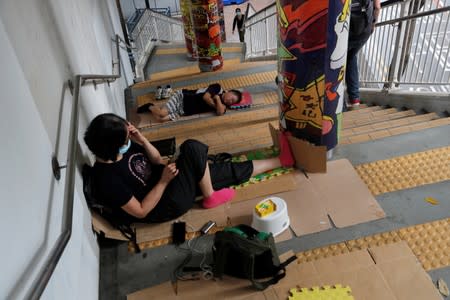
(247, 129)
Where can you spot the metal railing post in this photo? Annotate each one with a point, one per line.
(393, 67)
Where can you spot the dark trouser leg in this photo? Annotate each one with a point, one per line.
(229, 173)
(352, 72)
(241, 36)
(180, 194)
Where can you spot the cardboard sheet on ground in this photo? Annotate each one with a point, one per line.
(307, 156)
(339, 195)
(389, 272)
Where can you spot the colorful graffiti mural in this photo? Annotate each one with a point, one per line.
(223, 36)
(206, 26)
(189, 36)
(311, 67)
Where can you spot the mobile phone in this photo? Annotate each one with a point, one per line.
(178, 232)
(207, 227)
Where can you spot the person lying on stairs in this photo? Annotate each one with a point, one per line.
(130, 177)
(189, 102)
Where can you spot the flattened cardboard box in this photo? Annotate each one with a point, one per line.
(307, 156)
(389, 272)
(338, 197)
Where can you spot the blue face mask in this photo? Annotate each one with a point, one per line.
(124, 148)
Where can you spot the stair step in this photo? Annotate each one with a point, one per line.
(204, 125)
(230, 66)
(431, 120)
(364, 111)
(388, 124)
(366, 120)
(183, 73)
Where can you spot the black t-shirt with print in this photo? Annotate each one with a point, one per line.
(116, 183)
(193, 102)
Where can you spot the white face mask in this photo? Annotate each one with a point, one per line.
(238, 14)
(124, 148)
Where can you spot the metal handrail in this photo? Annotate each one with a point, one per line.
(54, 256)
(404, 62)
(414, 16)
(261, 11)
(260, 20)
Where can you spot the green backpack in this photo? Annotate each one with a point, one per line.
(244, 252)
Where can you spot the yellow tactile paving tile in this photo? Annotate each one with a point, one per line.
(237, 82)
(168, 51)
(322, 252)
(407, 171)
(172, 74)
(430, 242)
(373, 240)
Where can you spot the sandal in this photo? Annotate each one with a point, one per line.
(144, 108)
(220, 158)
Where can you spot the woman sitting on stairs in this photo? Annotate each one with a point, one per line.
(130, 176)
(190, 102)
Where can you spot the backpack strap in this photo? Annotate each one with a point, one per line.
(125, 229)
(262, 285)
(130, 234)
(219, 260)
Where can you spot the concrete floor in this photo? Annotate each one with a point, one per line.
(122, 273)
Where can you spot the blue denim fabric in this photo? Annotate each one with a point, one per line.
(352, 73)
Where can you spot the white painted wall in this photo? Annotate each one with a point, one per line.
(129, 6)
(44, 44)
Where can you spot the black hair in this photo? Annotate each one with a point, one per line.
(105, 135)
(237, 10)
(238, 95)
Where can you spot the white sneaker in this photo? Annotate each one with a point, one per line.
(167, 92)
(159, 93)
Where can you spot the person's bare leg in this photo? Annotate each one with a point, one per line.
(263, 165)
(205, 183)
(160, 113)
(213, 198)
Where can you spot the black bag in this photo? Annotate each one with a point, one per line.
(361, 17)
(123, 225)
(244, 252)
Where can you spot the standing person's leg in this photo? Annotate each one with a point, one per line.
(352, 76)
(241, 36)
(352, 72)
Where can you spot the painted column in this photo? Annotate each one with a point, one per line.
(189, 37)
(312, 53)
(206, 26)
(223, 36)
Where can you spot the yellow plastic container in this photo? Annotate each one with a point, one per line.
(265, 208)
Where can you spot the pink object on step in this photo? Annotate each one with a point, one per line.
(245, 102)
(218, 197)
(286, 158)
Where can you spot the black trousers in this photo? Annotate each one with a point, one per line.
(179, 196)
